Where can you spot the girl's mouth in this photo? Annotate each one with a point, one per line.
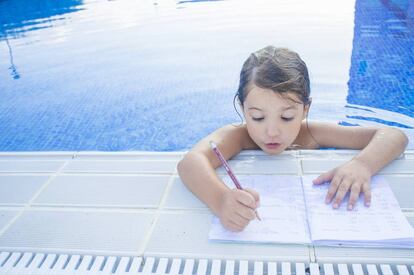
(272, 146)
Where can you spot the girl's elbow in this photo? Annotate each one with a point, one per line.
(183, 164)
(400, 137)
(180, 166)
(404, 138)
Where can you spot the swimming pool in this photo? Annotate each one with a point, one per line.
(159, 75)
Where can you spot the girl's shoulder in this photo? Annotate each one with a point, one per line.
(318, 134)
(238, 133)
(305, 138)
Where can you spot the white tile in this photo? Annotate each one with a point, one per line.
(328, 154)
(121, 166)
(403, 189)
(410, 220)
(179, 197)
(130, 155)
(19, 189)
(105, 190)
(259, 154)
(6, 216)
(30, 166)
(409, 154)
(122, 232)
(398, 166)
(363, 255)
(263, 166)
(186, 235)
(36, 155)
(316, 166)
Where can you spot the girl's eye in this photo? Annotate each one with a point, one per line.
(287, 118)
(257, 118)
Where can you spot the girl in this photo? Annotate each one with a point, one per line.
(274, 97)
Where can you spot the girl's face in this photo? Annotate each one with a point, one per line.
(273, 121)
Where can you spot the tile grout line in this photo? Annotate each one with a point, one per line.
(312, 252)
(157, 214)
(29, 203)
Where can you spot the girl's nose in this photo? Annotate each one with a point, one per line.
(272, 130)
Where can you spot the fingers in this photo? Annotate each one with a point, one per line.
(248, 197)
(232, 226)
(355, 190)
(333, 187)
(255, 195)
(325, 177)
(341, 186)
(342, 189)
(366, 188)
(235, 221)
(238, 209)
(247, 213)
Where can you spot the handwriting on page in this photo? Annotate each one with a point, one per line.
(382, 220)
(282, 210)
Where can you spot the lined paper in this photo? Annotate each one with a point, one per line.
(289, 203)
(383, 220)
(282, 210)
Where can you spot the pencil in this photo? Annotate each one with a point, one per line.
(228, 170)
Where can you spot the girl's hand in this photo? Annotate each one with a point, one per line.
(352, 176)
(238, 208)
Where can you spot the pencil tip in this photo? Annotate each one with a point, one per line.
(257, 216)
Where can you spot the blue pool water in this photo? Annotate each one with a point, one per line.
(157, 75)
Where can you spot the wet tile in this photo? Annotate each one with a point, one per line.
(121, 166)
(403, 189)
(179, 197)
(398, 166)
(30, 166)
(19, 189)
(105, 190)
(186, 235)
(6, 216)
(263, 166)
(36, 155)
(116, 232)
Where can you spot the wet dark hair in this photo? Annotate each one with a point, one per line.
(277, 69)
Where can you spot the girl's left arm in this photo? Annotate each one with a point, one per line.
(379, 146)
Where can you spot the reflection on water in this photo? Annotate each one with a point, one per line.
(381, 73)
(12, 67)
(195, 1)
(152, 75)
(20, 16)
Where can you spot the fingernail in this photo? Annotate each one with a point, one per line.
(350, 207)
(335, 205)
(368, 204)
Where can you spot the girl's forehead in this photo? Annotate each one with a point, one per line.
(265, 97)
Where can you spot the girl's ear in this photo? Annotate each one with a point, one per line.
(241, 106)
(306, 109)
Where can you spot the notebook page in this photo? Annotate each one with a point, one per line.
(383, 220)
(282, 211)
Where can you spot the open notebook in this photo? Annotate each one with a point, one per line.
(293, 211)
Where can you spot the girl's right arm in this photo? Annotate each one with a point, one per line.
(234, 207)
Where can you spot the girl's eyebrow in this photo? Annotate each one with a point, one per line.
(283, 108)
